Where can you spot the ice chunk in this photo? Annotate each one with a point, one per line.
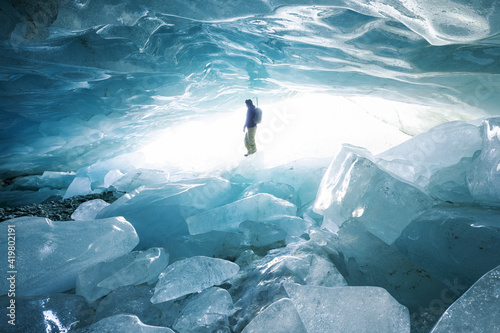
(450, 183)
(192, 275)
(124, 323)
(417, 159)
(112, 176)
(137, 178)
(279, 317)
(135, 300)
(215, 244)
(228, 217)
(52, 313)
(131, 269)
(260, 282)
(355, 187)
(206, 312)
(294, 173)
(293, 225)
(349, 309)
(279, 190)
(22, 198)
(128, 163)
(89, 209)
(159, 214)
(49, 254)
(483, 177)
(454, 243)
(478, 310)
(260, 234)
(309, 188)
(273, 232)
(49, 179)
(364, 260)
(79, 186)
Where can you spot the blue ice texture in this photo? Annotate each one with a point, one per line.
(279, 317)
(192, 275)
(477, 310)
(350, 309)
(124, 323)
(51, 253)
(134, 268)
(354, 240)
(228, 217)
(89, 209)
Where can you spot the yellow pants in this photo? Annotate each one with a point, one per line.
(250, 140)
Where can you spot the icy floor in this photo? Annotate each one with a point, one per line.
(393, 242)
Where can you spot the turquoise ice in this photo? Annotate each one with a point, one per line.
(133, 268)
(49, 254)
(192, 275)
(227, 218)
(477, 310)
(350, 309)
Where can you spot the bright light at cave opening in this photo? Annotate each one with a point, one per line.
(313, 125)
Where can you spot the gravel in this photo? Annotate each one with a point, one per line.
(56, 210)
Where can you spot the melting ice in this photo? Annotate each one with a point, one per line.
(372, 204)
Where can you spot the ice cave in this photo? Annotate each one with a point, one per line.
(372, 203)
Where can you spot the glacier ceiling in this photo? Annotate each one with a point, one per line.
(84, 80)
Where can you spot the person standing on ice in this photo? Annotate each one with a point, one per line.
(251, 127)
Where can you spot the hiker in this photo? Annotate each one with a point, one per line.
(251, 127)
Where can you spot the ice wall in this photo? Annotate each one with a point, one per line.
(83, 80)
(384, 240)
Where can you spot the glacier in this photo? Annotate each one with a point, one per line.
(372, 203)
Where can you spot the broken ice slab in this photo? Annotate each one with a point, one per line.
(206, 312)
(294, 173)
(228, 217)
(279, 190)
(47, 313)
(273, 232)
(355, 187)
(131, 269)
(159, 214)
(49, 179)
(124, 323)
(50, 254)
(293, 225)
(476, 311)
(260, 282)
(112, 176)
(136, 178)
(364, 260)
(483, 177)
(89, 209)
(309, 188)
(417, 159)
(192, 275)
(135, 300)
(279, 317)
(262, 235)
(454, 243)
(215, 244)
(450, 183)
(23, 198)
(348, 309)
(79, 186)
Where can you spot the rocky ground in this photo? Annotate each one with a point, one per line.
(56, 210)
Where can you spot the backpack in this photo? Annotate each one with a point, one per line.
(258, 116)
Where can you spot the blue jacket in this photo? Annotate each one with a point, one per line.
(250, 116)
